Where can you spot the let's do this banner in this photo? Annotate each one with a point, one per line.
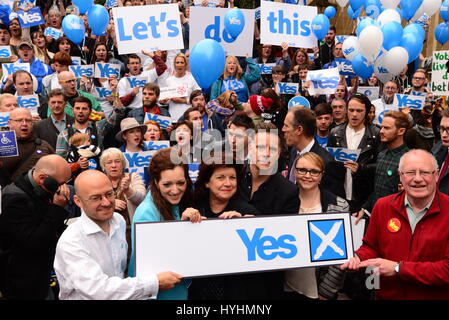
(371, 92)
(8, 144)
(208, 23)
(343, 155)
(291, 23)
(150, 28)
(323, 81)
(164, 122)
(409, 101)
(243, 244)
(440, 78)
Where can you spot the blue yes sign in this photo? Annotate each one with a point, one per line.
(5, 52)
(107, 70)
(164, 122)
(342, 155)
(31, 18)
(407, 101)
(30, 101)
(268, 247)
(287, 88)
(80, 71)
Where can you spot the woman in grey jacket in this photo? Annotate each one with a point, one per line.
(314, 282)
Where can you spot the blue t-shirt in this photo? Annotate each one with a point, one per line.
(238, 86)
(321, 141)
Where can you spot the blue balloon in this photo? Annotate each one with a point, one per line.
(413, 44)
(444, 10)
(442, 32)
(320, 26)
(83, 5)
(361, 67)
(330, 12)
(409, 8)
(98, 19)
(372, 8)
(356, 4)
(207, 62)
(353, 14)
(73, 28)
(363, 24)
(415, 29)
(234, 22)
(392, 32)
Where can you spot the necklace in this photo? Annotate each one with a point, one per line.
(308, 209)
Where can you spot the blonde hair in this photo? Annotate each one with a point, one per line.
(111, 152)
(314, 158)
(183, 56)
(78, 138)
(239, 72)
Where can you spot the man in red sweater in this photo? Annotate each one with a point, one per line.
(407, 241)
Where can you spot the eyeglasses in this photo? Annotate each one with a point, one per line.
(110, 195)
(422, 173)
(304, 171)
(444, 129)
(27, 121)
(419, 78)
(68, 81)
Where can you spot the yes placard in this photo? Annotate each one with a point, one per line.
(80, 71)
(323, 81)
(164, 122)
(342, 154)
(407, 101)
(287, 88)
(10, 68)
(107, 70)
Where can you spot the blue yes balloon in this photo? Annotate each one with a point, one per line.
(207, 61)
(83, 5)
(330, 12)
(320, 26)
(98, 19)
(372, 8)
(356, 4)
(363, 24)
(392, 32)
(409, 8)
(415, 29)
(413, 44)
(353, 14)
(234, 22)
(444, 10)
(73, 28)
(361, 67)
(442, 32)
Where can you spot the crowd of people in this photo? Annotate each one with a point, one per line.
(69, 202)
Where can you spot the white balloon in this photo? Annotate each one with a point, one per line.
(389, 15)
(342, 3)
(390, 4)
(395, 60)
(382, 73)
(429, 7)
(370, 41)
(351, 47)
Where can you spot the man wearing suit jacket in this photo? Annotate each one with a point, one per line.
(440, 151)
(49, 128)
(299, 132)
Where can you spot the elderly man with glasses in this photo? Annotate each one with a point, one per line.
(30, 148)
(406, 243)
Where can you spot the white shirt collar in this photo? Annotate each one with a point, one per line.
(308, 147)
(91, 227)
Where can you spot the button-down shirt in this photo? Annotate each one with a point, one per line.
(90, 263)
(59, 124)
(353, 139)
(414, 217)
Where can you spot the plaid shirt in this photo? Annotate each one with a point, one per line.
(387, 176)
(102, 126)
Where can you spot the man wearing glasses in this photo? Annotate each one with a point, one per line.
(30, 224)
(440, 151)
(30, 148)
(407, 238)
(419, 84)
(68, 83)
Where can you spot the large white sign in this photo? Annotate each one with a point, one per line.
(409, 101)
(155, 27)
(208, 23)
(283, 22)
(381, 108)
(243, 244)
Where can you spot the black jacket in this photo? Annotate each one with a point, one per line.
(363, 179)
(440, 152)
(29, 229)
(46, 130)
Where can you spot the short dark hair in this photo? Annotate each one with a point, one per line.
(360, 97)
(305, 118)
(133, 56)
(187, 112)
(4, 27)
(194, 94)
(322, 109)
(83, 100)
(333, 28)
(56, 92)
(15, 74)
(240, 119)
(153, 87)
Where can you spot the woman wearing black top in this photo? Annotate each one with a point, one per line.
(216, 196)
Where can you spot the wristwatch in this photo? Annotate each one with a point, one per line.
(396, 267)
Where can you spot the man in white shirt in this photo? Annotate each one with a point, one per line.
(91, 254)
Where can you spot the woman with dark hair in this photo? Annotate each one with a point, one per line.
(300, 58)
(100, 53)
(216, 196)
(16, 32)
(182, 150)
(41, 46)
(170, 194)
